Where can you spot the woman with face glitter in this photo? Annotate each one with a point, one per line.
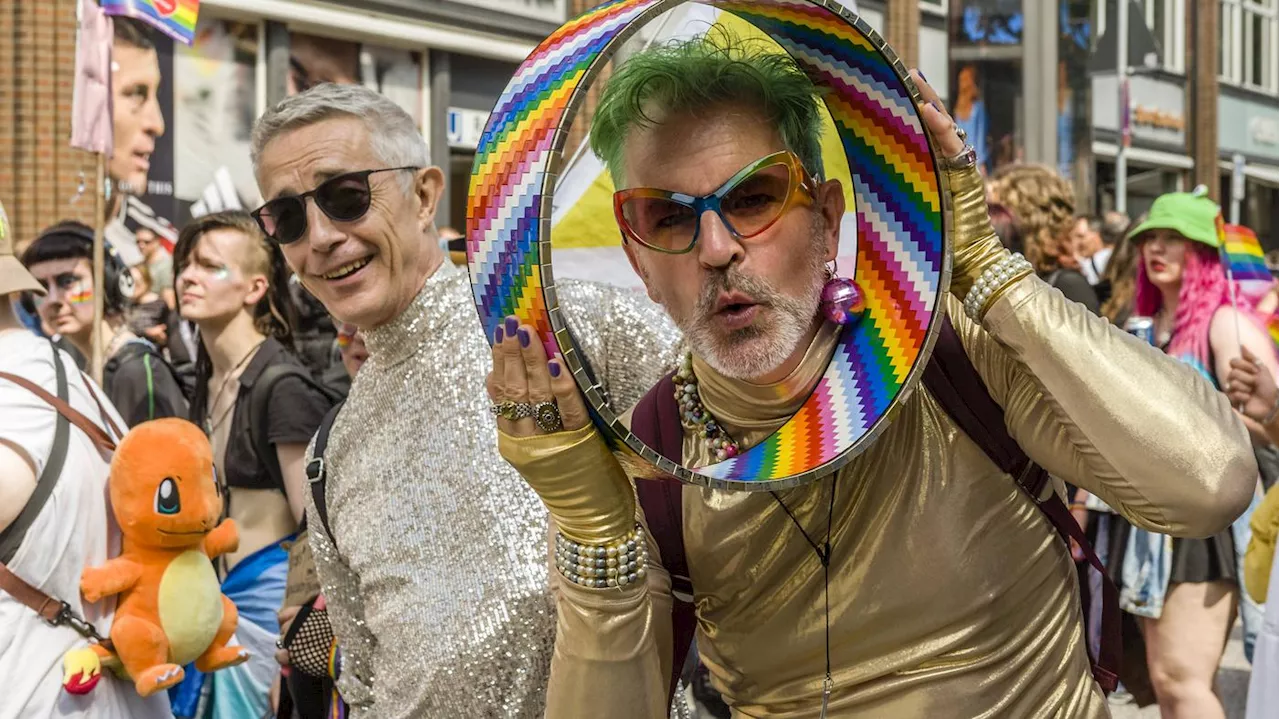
(136, 377)
(259, 406)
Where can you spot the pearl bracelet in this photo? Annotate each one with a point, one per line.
(597, 566)
(994, 278)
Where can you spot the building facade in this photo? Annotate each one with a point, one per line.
(444, 62)
(1029, 80)
(1036, 81)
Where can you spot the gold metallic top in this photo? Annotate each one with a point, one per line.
(951, 595)
(438, 588)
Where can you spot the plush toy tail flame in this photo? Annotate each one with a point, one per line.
(81, 670)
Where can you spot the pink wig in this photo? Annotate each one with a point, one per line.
(1204, 290)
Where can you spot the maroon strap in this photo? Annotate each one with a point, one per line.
(955, 383)
(47, 607)
(96, 434)
(656, 421)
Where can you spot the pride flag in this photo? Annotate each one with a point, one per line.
(175, 18)
(1243, 254)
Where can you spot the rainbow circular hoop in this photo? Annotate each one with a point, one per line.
(902, 210)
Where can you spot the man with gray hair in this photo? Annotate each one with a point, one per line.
(433, 555)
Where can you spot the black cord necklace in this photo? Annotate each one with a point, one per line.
(695, 416)
(824, 556)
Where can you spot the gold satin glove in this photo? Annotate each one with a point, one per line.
(577, 477)
(975, 246)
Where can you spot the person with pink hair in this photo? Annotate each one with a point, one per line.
(1186, 595)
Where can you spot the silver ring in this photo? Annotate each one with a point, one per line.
(960, 133)
(547, 415)
(964, 160)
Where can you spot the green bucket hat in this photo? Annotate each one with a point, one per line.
(1191, 214)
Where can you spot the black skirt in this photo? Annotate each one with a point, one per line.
(1194, 560)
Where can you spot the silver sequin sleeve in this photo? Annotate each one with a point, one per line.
(438, 586)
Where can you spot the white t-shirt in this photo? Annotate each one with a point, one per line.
(1095, 268)
(73, 530)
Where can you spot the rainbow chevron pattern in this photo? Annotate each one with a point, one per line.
(175, 18)
(902, 263)
(1243, 254)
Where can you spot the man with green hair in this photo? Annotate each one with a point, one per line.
(920, 580)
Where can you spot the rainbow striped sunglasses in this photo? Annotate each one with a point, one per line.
(748, 203)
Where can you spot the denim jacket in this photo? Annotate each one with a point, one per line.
(1148, 561)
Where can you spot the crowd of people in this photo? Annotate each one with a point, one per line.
(412, 544)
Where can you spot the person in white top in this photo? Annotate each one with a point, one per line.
(72, 529)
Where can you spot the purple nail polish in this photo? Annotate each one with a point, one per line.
(921, 74)
(523, 335)
(554, 368)
(497, 335)
(512, 324)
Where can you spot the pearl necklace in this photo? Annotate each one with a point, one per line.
(695, 416)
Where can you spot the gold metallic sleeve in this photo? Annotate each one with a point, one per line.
(613, 648)
(575, 475)
(1103, 410)
(974, 242)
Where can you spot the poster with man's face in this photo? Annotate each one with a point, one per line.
(140, 169)
(182, 117)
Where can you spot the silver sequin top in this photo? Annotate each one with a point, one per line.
(438, 591)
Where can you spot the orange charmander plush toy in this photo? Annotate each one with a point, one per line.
(171, 609)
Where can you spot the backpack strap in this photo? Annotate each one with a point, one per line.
(955, 383)
(12, 536)
(260, 408)
(317, 474)
(656, 422)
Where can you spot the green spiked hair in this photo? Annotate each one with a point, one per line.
(701, 73)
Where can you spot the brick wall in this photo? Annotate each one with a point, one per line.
(39, 170)
(902, 30)
(581, 123)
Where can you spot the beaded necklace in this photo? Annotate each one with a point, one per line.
(695, 416)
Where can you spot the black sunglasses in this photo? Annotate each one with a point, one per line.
(344, 198)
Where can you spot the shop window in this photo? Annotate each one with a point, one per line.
(987, 77)
(1166, 19)
(397, 74)
(937, 7)
(1248, 52)
(1075, 156)
(215, 103)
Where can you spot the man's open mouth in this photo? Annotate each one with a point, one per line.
(348, 269)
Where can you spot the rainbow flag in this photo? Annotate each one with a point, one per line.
(1243, 254)
(175, 18)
